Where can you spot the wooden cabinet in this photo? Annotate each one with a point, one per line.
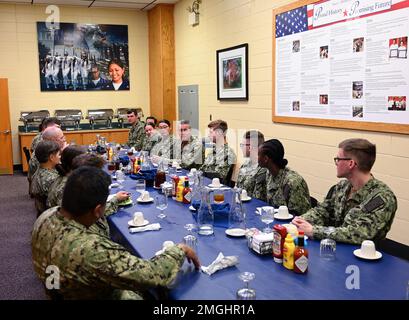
(84, 137)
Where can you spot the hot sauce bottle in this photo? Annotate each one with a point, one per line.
(300, 255)
(187, 194)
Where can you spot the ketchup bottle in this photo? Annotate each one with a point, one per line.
(280, 232)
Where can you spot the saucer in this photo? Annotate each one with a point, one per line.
(192, 208)
(144, 201)
(276, 216)
(358, 254)
(213, 186)
(236, 232)
(126, 202)
(246, 199)
(132, 224)
(114, 185)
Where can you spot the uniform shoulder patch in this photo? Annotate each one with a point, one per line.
(375, 203)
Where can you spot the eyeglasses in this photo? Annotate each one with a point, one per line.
(163, 127)
(244, 144)
(337, 159)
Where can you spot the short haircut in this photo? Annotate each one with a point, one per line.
(86, 188)
(88, 159)
(153, 118)
(49, 121)
(252, 134)
(218, 124)
(150, 124)
(186, 122)
(68, 155)
(362, 150)
(164, 121)
(45, 149)
(134, 111)
(274, 150)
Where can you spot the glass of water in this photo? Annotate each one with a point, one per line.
(267, 217)
(328, 246)
(140, 185)
(161, 203)
(120, 177)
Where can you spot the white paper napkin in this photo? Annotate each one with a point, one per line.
(149, 227)
(221, 262)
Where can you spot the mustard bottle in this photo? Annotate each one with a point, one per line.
(288, 252)
(179, 190)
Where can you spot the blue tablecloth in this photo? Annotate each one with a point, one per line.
(386, 278)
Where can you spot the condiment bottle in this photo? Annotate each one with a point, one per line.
(288, 252)
(280, 232)
(175, 182)
(186, 193)
(300, 255)
(179, 190)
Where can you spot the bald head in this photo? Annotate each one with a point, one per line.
(54, 134)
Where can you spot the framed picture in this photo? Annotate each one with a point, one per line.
(83, 57)
(232, 73)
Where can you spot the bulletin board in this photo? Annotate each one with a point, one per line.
(342, 63)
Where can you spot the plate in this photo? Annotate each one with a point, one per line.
(358, 254)
(192, 208)
(125, 203)
(213, 186)
(236, 232)
(144, 201)
(276, 216)
(246, 199)
(132, 224)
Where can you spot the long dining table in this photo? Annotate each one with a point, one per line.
(345, 278)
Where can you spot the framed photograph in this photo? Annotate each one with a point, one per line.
(83, 57)
(232, 73)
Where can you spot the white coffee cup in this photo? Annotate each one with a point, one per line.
(175, 164)
(216, 182)
(244, 194)
(368, 249)
(138, 218)
(145, 195)
(193, 170)
(167, 244)
(283, 212)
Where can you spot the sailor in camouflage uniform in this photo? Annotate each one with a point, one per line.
(252, 177)
(192, 151)
(360, 207)
(48, 154)
(167, 148)
(46, 123)
(220, 161)
(90, 265)
(152, 137)
(136, 133)
(284, 186)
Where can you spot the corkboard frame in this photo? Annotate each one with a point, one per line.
(344, 124)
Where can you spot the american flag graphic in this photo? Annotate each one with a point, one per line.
(292, 22)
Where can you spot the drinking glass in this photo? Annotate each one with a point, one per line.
(161, 203)
(246, 293)
(120, 177)
(328, 246)
(190, 239)
(267, 217)
(140, 185)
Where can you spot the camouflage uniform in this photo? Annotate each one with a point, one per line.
(36, 141)
(367, 215)
(136, 136)
(192, 153)
(289, 189)
(150, 142)
(219, 161)
(252, 178)
(33, 166)
(92, 266)
(167, 148)
(54, 199)
(40, 186)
